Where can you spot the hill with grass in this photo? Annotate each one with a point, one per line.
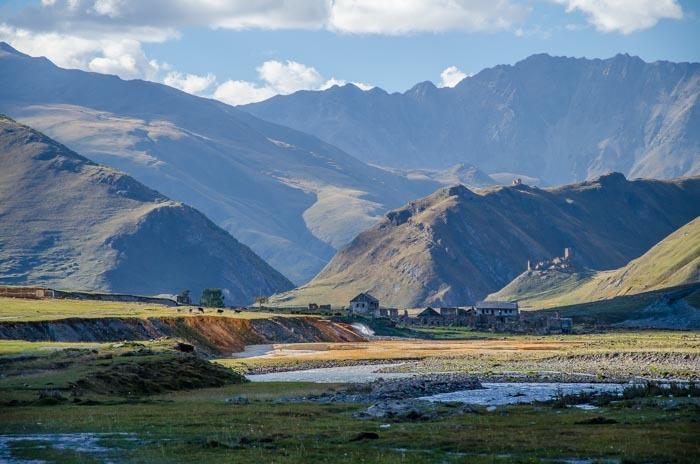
(674, 261)
(67, 222)
(289, 196)
(456, 246)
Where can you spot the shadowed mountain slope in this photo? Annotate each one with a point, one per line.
(292, 198)
(672, 262)
(69, 223)
(558, 119)
(457, 246)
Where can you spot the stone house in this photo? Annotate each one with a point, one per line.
(498, 309)
(391, 313)
(364, 304)
(457, 316)
(429, 317)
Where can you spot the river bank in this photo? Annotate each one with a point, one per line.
(608, 357)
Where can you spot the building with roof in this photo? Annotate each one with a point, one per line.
(364, 304)
(429, 317)
(497, 308)
(391, 313)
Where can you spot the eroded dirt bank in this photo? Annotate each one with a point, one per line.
(216, 335)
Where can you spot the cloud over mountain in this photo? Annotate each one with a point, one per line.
(625, 16)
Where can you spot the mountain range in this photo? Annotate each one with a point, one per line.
(70, 223)
(672, 262)
(456, 246)
(557, 119)
(289, 196)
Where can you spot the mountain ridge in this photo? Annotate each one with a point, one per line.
(592, 116)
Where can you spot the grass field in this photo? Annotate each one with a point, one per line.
(113, 402)
(18, 309)
(201, 426)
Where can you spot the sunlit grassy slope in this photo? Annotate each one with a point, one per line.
(16, 309)
(672, 262)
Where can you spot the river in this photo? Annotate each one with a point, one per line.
(492, 394)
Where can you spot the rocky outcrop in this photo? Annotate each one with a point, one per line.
(211, 334)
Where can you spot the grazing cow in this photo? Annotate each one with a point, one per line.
(201, 310)
(237, 310)
(220, 311)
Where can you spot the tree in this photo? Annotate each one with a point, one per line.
(212, 298)
(184, 298)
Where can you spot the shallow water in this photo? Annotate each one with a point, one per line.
(252, 351)
(496, 394)
(493, 394)
(82, 443)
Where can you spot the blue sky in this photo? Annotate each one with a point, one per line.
(241, 51)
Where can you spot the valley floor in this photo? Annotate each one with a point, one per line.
(206, 426)
(606, 357)
(160, 400)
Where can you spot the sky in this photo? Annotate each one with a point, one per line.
(242, 51)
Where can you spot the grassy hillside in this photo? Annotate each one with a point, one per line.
(67, 222)
(672, 262)
(16, 309)
(456, 246)
(671, 308)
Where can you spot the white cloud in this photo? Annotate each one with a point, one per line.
(121, 56)
(341, 82)
(230, 14)
(352, 16)
(397, 17)
(126, 59)
(289, 77)
(277, 78)
(451, 76)
(106, 35)
(242, 92)
(190, 83)
(111, 8)
(625, 16)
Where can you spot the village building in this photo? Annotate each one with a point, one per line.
(429, 317)
(502, 309)
(448, 312)
(391, 313)
(364, 304)
(459, 316)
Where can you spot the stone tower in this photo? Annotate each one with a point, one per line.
(568, 253)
